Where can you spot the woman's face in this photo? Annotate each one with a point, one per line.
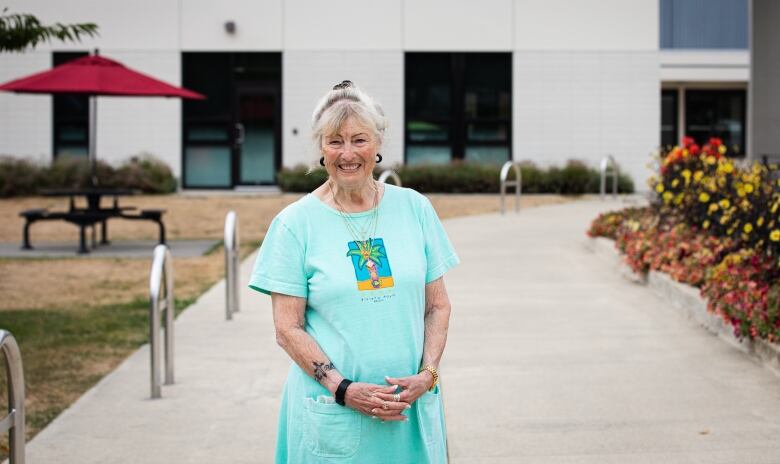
(350, 154)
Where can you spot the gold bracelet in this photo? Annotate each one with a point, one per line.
(433, 372)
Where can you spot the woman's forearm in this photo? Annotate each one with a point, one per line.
(437, 322)
(299, 345)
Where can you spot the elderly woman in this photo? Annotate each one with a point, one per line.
(354, 270)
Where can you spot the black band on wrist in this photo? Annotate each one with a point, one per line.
(342, 390)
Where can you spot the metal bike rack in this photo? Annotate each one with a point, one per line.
(392, 174)
(14, 421)
(161, 300)
(517, 183)
(615, 173)
(231, 264)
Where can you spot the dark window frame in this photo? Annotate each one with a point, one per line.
(228, 119)
(58, 119)
(742, 93)
(457, 138)
(675, 95)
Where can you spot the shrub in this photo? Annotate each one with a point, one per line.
(459, 177)
(22, 177)
(147, 174)
(18, 177)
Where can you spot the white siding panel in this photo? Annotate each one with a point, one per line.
(123, 25)
(25, 120)
(342, 25)
(584, 105)
(458, 25)
(307, 76)
(258, 25)
(586, 24)
(129, 126)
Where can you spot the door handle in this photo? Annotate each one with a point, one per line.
(240, 132)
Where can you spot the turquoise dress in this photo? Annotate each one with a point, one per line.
(368, 318)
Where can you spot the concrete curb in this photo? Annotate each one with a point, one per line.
(689, 302)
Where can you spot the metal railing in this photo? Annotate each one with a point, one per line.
(517, 184)
(161, 301)
(14, 421)
(231, 264)
(391, 174)
(606, 162)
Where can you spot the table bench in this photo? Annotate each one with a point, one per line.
(84, 218)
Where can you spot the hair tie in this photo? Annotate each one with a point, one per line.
(343, 85)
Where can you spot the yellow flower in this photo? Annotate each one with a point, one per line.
(686, 173)
(747, 228)
(775, 235)
(749, 188)
(760, 221)
(706, 224)
(698, 175)
(728, 167)
(667, 196)
(722, 149)
(659, 188)
(713, 206)
(704, 197)
(724, 203)
(774, 206)
(675, 183)
(711, 160)
(740, 191)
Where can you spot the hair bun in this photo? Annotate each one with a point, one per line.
(343, 85)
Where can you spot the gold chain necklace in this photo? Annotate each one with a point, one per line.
(362, 236)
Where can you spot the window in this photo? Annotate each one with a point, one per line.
(232, 137)
(693, 24)
(70, 117)
(669, 121)
(458, 106)
(716, 113)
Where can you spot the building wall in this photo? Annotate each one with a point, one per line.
(457, 25)
(131, 126)
(586, 25)
(259, 25)
(25, 120)
(308, 74)
(586, 73)
(585, 105)
(764, 96)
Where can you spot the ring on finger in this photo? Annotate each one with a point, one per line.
(384, 404)
(397, 397)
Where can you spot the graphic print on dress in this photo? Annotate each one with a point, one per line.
(372, 267)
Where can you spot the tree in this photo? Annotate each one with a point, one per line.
(20, 31)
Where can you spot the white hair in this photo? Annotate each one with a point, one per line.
(346, 101)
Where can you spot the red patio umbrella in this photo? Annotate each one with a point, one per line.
(96, 75)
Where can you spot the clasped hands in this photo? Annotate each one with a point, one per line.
(379, 401)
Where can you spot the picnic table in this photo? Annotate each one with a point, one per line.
(91, 215)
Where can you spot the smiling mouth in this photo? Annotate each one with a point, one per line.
(349, 167)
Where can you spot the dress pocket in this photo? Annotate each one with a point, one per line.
(330, 430)
(429, 415)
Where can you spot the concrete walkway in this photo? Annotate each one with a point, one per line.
(552, 358)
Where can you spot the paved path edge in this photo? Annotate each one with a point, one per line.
(689, 303)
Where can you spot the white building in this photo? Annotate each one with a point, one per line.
(540, 80)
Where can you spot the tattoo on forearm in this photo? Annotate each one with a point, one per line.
(321, 369)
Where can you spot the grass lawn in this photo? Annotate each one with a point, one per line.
(76, 319)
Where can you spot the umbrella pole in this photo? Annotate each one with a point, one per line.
(93, 138)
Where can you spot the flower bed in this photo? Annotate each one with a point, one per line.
(715, 226)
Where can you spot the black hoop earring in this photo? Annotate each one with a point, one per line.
(322, 161)
(378, 158)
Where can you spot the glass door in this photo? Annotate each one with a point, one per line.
(255, 141)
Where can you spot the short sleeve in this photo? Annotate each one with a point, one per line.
(439, 252)
(279, 266)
